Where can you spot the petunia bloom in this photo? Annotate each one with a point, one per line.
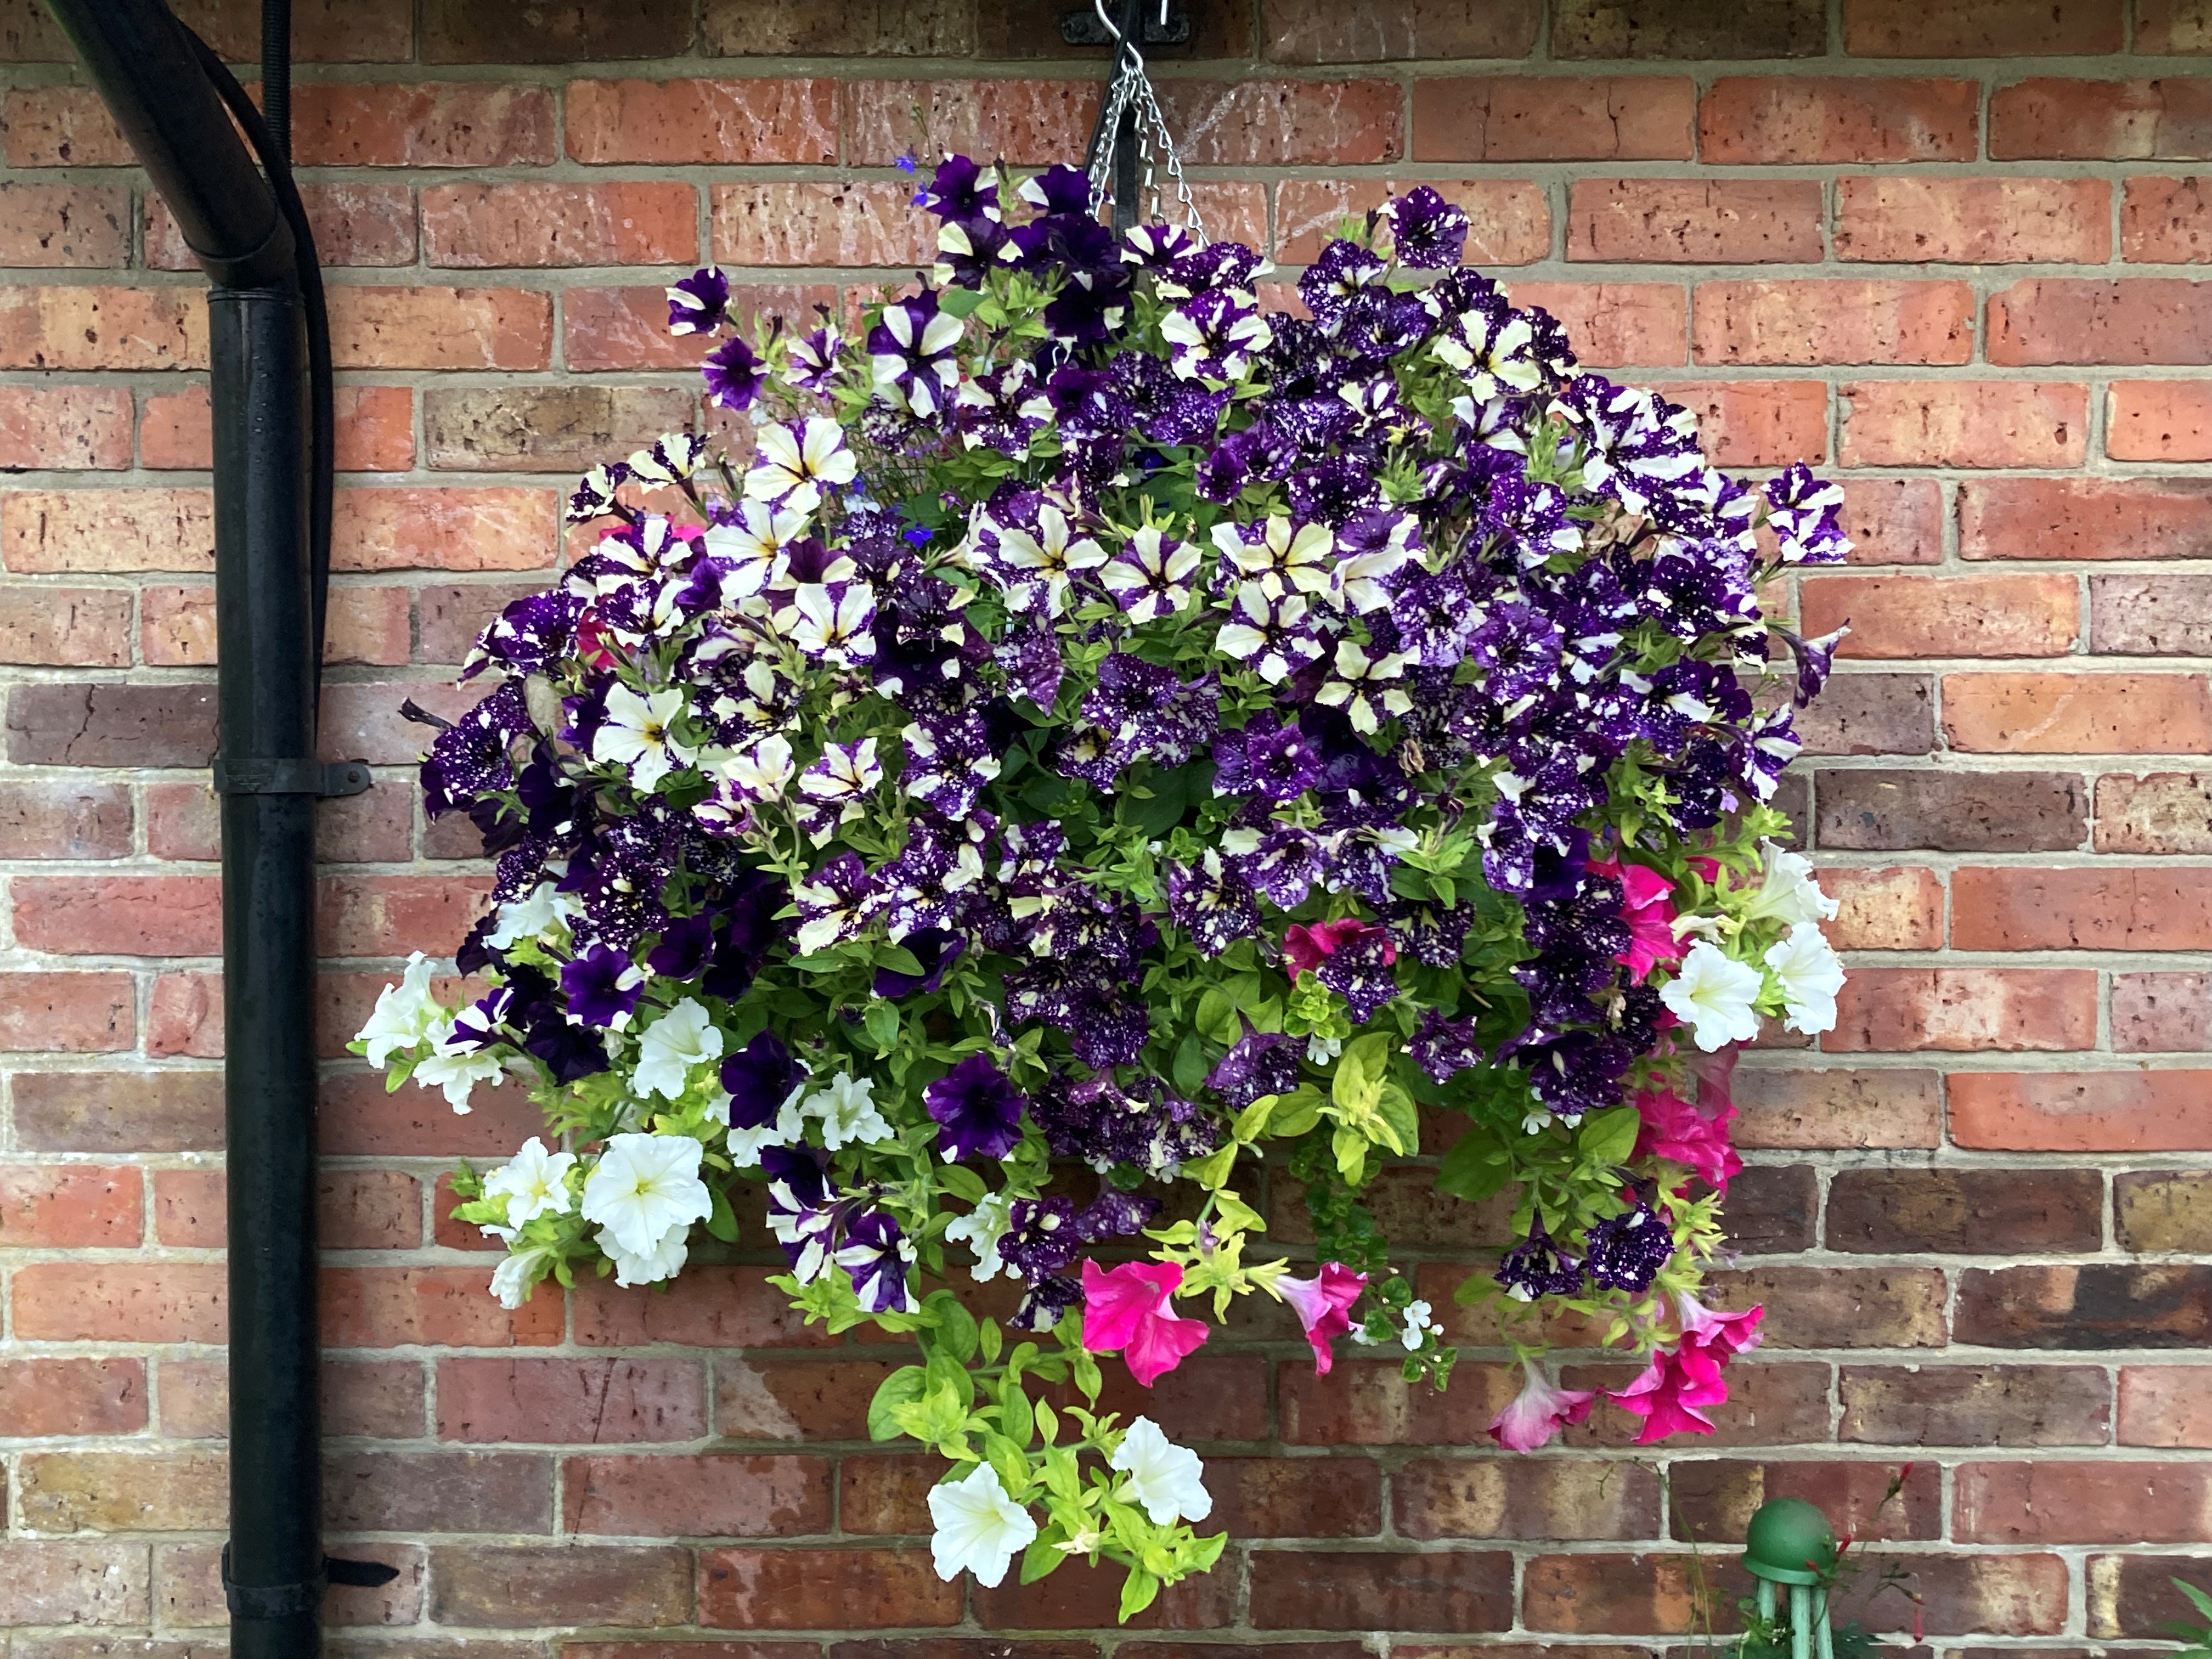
(642, 1186)
(1129, 1309)
(1723, 1335)
(1308, 945)
(1163, 1478)
(1713, 996)
(1647, 907)
(534, 1182)
(1534, 1416)
(1670, 1392)
(1673, 1129)
(1323, 1304)
(978, 1112)
(979, 1529)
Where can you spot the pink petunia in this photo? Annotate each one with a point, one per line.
(1537, 1413)
(1723, 1335)
(1308, 945)
(1668, 1394)
(1128, 1308)
(1674, 1129)
(1648, 908)
(1322, 1306)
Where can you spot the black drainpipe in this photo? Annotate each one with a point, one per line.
(270, 397)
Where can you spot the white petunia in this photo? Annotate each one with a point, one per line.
(847, 1108)
(683, 1037)
(534, 1182)
(642, 1186)
(979, 1529)
(1713, 994)
(759, 773)
(635, 733)
(796, 461)
(752, 541)
(981, 1230)
(532, 916)
(1049, 558)
(663, 1260)
(844, 777)
(786, 1128)
(511, 1281)
(1304, 556)
(404, 1013)
(457, 1068)
(1787, 892)
(1164, 1478)
(1150, 576)
(1809, 974)
(835, 629)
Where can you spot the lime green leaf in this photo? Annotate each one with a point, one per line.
(963, 1183)
(1351, 1149)
(1296, 1113)
(1190, 1066)
(901, 1388)
(1138, 1590)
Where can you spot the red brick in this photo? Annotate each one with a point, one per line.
(822, 1590)
(119, 1302)
(1932, 1405)
(447, 528)
(887, 1493)
(68, 1206)
(2172, 25)
(1893, 520)
(1965, 1010)
(65, 225)
(642, 223)
(390, 916)
(357, 1209)
(50, 531)
(1509, 221)
(2053, 1502)
(516, 1586)
(1829, 1307)
(1834, 322)
(64, 427)
(120, 915)
(1863, 714)
(1771, 1402)
(102, 328)
(358, 1117)
(1714, 1498)
(1689, 28)
(1970, 423)
(2162, 1210)
(1974, 221)
(432, 124)
(323, 31)
(782, 1400)
(376, 429)
(2135, 1594)
(1995, 1595)
(41, 1397)
(1615, 324)
(565, 428)
(60, 126)
(365, 625)
(1837, 1108)
(1897, 909)
(1341, 1589)
(1554, 119)
(1271, 1497)
(380, 1399)
(490, 31)
(354, 224)
(77, 1583)
(1481, 1497)
(1320, 31)
(1757, 423)
(2034, 615)
(114, 1112)
(2162, 1012)
(716, 1495)
(2084, 517)
(395, 1307)
(439, 328)
(1609, 1594)
(1766, 121)
(1022, 122)
(63, 723)
(1965, 1212)
(707, 1307)
(2077, 713)
(1366, 1403)
(2165, 1405)
(1980, 28)
(2129, 1111)
(1694, 221)
(627, 327)
(2159, 421)
(181, 822)
(2051, 118)
(2102, 908)
(64, 820)
(729, 122)
(2137, 319)
(1870, 809)
(1254, 123)
(2166, 222)
(592, 1401)
(825, 223)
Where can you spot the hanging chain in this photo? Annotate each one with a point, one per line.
(1130, 95)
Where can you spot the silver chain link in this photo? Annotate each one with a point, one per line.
(1131, 86)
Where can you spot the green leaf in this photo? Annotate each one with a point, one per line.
(1296, 1113)
(722, 1222)
(1476, 1168)
(960, 301)
(990, 1341)
(963, 1183)
(1190, 1066)
(1252, 1122)
(882, 1022)
(1138, 1590)
(899, 960)
(1608, 1137)
(1398, 1120)
(955, 1325)
(1216, 1016)
(1044, 1555)
(901, 1388)
(1351, 1149)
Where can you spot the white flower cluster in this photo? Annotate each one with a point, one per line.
(1716, 995)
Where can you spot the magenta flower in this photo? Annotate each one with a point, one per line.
(1308, 945)
(1678, 1131)
(1668, 1394)
(1128, 1308)
(1536, 1414)
(1322, 1305)
(1723, 1335)
(1648, 908)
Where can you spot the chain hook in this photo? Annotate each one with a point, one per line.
(1129, 96)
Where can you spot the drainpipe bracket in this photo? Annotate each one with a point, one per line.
(295, 1601)
(291, 777)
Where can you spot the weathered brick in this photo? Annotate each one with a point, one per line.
(354, 224)
(74, 1582)
(1521, 118)
(2159, 421)
(445, 1491)
(74, 1397)
(822, 1590)
(1800, 1109)
(1871, 714)
(2165, 1405)
(2163, 1210)
(603, 328)
(2069, 1503)
(2162, 1012)
(2157, 616)
(1771, 1402)
(118, 1302)
(48, 819)
(2068, 320)
(356, 1209)
(70, 1206)
(514, 1586)
(1964, 1009)
(394, 1307)
(324, 31)
(84, 226)
(558, 428)
(2031, 616)
(1029, 123)
(102, 328)
(1508, 221)
(1965, 423)
(428, 124)
(2096, 1305)
(1484, 1498)
(457, 328)
(2082, 1111)
(1832, 321)
(1997, 1594)
(1893, 520)
(592, 1401)
(1980, 28)
(60, 126)
(64, 427)
(47, 531)
(784, 1400)
(376, 429)
(1268, 1496)
(1897, 909)
(2166, 222)
(1843, 1306)
(825, 223)
(448, 528)
(1694, 221)
(182, 823)
(379, 1398)
(2098, 907)
(716, 1495)
(110, 1112)
(57, 723)
(1360, 1403)
(359, 1117)
(644, 222)
(1770, 1209)
(119, 915)
(1318, 32)
(2077, 713)
(1998, 220)
(1609, 1594)
(708, 1307)
(177, 626)
(122, 1492)
(1757, 423)
(1689, 28)
(2048, 118)
(1714, 1498)
(61, 627)
(1882, 810)
(488, 32)
(1615, 324)
(2174, 26)
(2134, 1595)
(1772, 121)
(858, 29)
(1342, 1589)
(1965, 1212)
(1256, 123)
(1932, 1406)
(2084, 518)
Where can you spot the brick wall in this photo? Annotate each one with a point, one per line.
(1948, 247)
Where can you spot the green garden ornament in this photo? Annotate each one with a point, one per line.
(1790, 1543)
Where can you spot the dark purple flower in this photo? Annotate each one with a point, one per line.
(798, 1176)
(1045, 1303)
(1627, 1250)
(1816, 659)
(602, 986)
(1040, 1237)
(1519, 647)
(686, 947)
(759, 1078)
(1059, 188)
(1443, 1047)
(1211, 902)
(698, 303)
(529, 636)
(958, 191)
(1428, 232)
(473, 755)
(1257, 1063)
(1115, 1214)
(935, 949)
(977, 1110)
(1536, 1266)
(1338, 276)
(875, 1253)
(733, 374)
(1358, 970)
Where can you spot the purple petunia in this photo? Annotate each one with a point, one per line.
(697, 304)
(734, 374)
(602, 987)
(977, 1110)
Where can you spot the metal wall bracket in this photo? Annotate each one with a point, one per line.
(296, 1601)
(291, 777)
(1082, 28)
